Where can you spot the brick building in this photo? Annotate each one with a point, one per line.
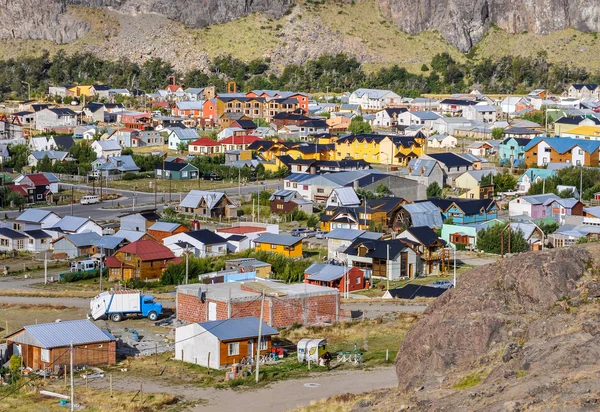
(284, 304)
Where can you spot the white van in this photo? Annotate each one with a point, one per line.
(89, 200)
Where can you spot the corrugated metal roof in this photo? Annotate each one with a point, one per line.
(164, 226)
(273, 239)
(130, 235)
(424, 214)
(344, 234)
(237, 328)
(71, 223)
(194, 197)
(109, 242)
(84, 239)
(33, 215)
(60, 334)
(325, 272)
(109, 144)
(347, 196)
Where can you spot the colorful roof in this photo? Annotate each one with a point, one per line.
(564, 144)
(148, 250)
(204, 141)
(245, 139)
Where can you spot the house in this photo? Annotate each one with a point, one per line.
(430, 248)
(162, 230)
(179, 136)
(176, 171)
(251, 230)
(511, 104)
(418, 214)
(238, 142)
(449, 125)
(150, 138)
(38, 240)
(451, 163)
(471, 182)
(480, 112)
(384, 149)
(285, 201)
(285, 245)
(343, 278)
(338, 241)
(533, 175)
(543, 150)
(521, 132)
(512, 151)
(480, 149)
(583, 132)
(388, 117)
(584, 91)
(142, 259)
(76, 244)
(52, 155)
(201, 243)
(11, 240)
(454, 107)
(107, 148)
(532, 206)
(391, 259)
(217, 344)
(285, 304)
(374, 99)
(567, 123)
(425, 119)
(425, 171)
(138, 221)
(207, 204)
(246, 265)
(99, 90)
(191, 109)
(204, 146)
(558, 209)
(343, 197)
(46, 346)
(114, 164)
(463, 211)
(36, 186)
(54, 118)
(108, 245)
(591, 216)
(74, 224)
(568, 235)
(441, 141)
(378, 213)
(33, 219)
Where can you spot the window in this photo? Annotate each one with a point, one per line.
(320, 190)
(358, 280)
(263, 344)
(45, 355)
(20, 244)
(547, 150)
(184, 174)
(43, 241)
(16, 226)
(295, 185)
(31, 241)
(279, 206)
(305, 187)
(273, 246)
(233, 348)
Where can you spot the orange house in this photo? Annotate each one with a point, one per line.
(161, 230)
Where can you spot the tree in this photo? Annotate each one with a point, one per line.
(490, 240)
(424, 68)
(434, 190)
(19, 154)
(44, 165)
(182, 147)
(548, 227)
(313, 221)
(497, 133)
(358, 126)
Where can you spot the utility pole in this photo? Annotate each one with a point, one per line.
(170, 187)
(387, 267)
(454, 266)
(580, 182)
(239, 182)
(72, 198)
(45, 268)
(155, 193)
(260, 322)
(187, 267)
(72, 381)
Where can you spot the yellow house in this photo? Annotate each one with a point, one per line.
(78, 91)
(285, 245)
(391, 150)
(583, 132)
(362, 146)
(566, 124)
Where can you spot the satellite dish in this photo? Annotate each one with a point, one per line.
(47, 187)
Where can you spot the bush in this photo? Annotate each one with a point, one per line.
(15, 362)
(133, 176)
(77, 276)
(461, 246)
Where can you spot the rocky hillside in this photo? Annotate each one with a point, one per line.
(521, 334)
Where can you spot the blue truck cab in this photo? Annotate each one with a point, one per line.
(150, 308)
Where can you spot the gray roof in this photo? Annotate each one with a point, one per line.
(237, 328)
(424, 214)
(33, 215)
(194, 197)
(130, 235)
(373, 93)
(60, 334)
(426, 115)
(164, 226)
(427, 165)
(109, 242)
(11, 234)
(37, 234)
(285, 240)
(70, 223)
(528, 229)
(566, 203)
(52, 155)
(594, 211)
(346, 196)
(286, 194)
(539, 199)
(185, 134)
(478, 174)
(109, 144)
(351, 234)
(325, 272)
(83, 239)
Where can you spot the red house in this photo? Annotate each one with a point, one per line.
(343, 278)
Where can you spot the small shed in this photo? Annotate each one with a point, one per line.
(219, 343)
(311, 349)
(47, 345)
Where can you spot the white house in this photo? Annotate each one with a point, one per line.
(33, 219)
(11, 240)
(38, 241)
(425, 119)
(107, 148)
(387, 117)
(509, 104)
(374, 99)
(481, 112)
(532, 206)
(343, 196)
(73, 225)
(179, 135)
(441, 141)
(201, 243)
(49, 119)
(447, 125)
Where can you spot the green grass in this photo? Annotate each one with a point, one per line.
(471, 380)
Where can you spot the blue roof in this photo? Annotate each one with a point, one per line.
(324, 272)
(237, 328)
(109, 242)
(424, 214)
(60, 334)
(34, 215)
(84, 239)
(37, 234)
(11, 234)
(564, 144)
(164, 226)
(70, 223)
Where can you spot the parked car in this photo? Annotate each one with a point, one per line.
(299, 231)
(211, 176)
(191, 155)
(320, 234)
(442, 284)
(308, 233)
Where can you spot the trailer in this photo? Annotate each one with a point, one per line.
(116, 304)
(311, 349)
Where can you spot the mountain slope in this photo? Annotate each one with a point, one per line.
(306, 31)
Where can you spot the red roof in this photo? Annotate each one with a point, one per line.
(113, 262)
(38, 179)
(173, 88)
(245, 139)
(20, 189)
(204, 141)
(148, 250)
(242, 230)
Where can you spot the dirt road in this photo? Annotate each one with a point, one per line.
(280, 396)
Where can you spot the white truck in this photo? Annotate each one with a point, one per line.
(117, 304)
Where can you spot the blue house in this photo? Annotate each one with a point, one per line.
(533, 175)
(513, 147)
(464, 211)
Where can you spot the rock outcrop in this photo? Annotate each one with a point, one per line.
(517, 334)
(463, 23)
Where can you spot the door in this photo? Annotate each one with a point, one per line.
(127, 274)
(251, 348)
(212, 311)
(410, 271)
(17, 349)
